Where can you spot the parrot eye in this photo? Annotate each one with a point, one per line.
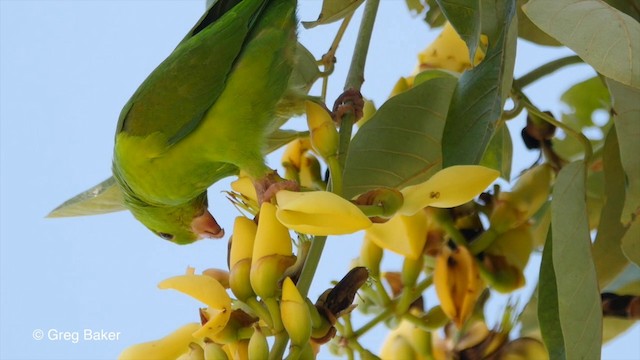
(165, 236)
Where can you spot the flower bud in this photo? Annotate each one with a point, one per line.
(240, 253)
(258, 346)
(399, 343)
(324, 136)
(370, 255)
(295, 314)
(213, 351)
(244, 234)
(272, 253)
(195, 353)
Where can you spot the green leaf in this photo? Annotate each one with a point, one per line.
(333, 10)
(306, 71)
(579, 305)
(604, 37)
(464, 16)
(103, 198)
(548, 305)
(528, 318)
(607, 254)
(529, 31)
(479, 98)
(499, 153)
(434, 16)
(626, 106)
(281, 137)
(427, 75)
(631, 242)
(629, 7)
(583, 100)
(401, 144)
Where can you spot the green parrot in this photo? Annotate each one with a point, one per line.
(204, 114)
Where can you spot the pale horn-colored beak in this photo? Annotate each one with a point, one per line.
(205, 226)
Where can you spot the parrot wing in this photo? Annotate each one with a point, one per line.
(174, 98)
(103, 198)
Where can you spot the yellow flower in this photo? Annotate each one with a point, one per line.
(293, 153)
(448, 188)
(319, 213)
(244, 186)
(295, 314)
(324, 136)
(209, 291)
(405, 235)
(240, 253)
(457, 282)
(272, 253)
(448, 51)
(168, 348)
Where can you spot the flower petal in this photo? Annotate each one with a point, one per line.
(319, 213)
(169, 347)
(244, 186)
(271, 236)
(200, 287)
(405, 235)
(449, 187)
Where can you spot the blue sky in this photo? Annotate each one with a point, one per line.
(66, 70)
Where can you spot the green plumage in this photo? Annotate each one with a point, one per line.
(204, 113)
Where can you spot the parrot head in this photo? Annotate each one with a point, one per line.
(180, 224)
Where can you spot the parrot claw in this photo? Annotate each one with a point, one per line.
(267, 187)
(349, 101)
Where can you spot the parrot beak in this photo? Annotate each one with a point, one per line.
(205, 226)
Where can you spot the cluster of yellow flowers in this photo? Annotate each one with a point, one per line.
(434, 225)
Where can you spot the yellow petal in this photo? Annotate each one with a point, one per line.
(405, 235)
(324, 135)
(207, 290)
(449, 187)
(272, 238)
(218, 319)
(295, 313)
(294, 151)
(319, 213)
(200, 287)
(169, 347)
(244, 186)
(244, 234)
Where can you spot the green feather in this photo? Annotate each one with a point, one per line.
(205, 112)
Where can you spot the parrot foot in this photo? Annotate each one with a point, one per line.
(349, 101)
(267, 187)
